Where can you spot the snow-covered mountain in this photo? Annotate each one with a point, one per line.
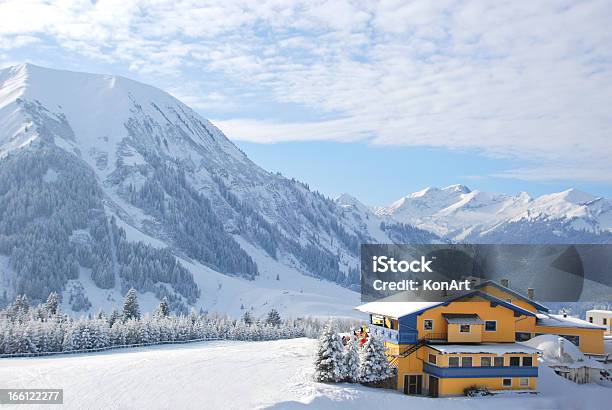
(460, 214)
(107, 183)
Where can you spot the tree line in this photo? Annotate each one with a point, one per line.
(44, 329)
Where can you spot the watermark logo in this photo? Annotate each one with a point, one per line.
(384, 264)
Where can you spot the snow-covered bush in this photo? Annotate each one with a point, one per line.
(476, 391)
(374, 366)
(329, 364)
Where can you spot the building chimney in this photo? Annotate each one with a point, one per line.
(504, 282)
(530, 293)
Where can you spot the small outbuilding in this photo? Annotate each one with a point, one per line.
(600, 318)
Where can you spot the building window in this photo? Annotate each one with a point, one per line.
(432, 358)
(491, 325)
(498, 361)
(515, 361)
(453, 361)
(605, 321)
(522, 336)
(485, 361)
(464, 328)
(527, 361)
(507, 383)
(524, 382)
(590, 319)
(574, 339)
(466, 362)
(428, 324)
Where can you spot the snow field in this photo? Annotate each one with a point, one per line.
(248, 375)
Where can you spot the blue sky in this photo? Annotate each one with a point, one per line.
(379, 175)
(377, 99)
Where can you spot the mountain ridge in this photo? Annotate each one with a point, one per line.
(161, 176)
(458, 213)
(107, 183)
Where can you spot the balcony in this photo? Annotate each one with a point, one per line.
(436, 337)
(394, 336)
(481, 371)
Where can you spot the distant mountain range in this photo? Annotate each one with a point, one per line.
(457, 213)
(107, 183)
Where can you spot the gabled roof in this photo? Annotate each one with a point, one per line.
(462, 319)
(517, 295)
(401, 309)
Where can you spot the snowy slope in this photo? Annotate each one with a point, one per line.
(458, 213)
(220, 375)
(138, 141)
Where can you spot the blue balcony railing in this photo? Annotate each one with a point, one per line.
(482, 371)
(399, 337)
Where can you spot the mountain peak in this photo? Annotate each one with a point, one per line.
(457, 188)
(571, 195)
(346, 199)
(423, 192)
(97, 111)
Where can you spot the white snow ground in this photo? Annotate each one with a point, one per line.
(247, 375)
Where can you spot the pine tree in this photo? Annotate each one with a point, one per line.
(273, 318)
(113, 318)
(374, 365)
(328, 362)
(101, 315)
(131, 310)
(52, 303)
(163, 310)
(351, 360)
(247, 318)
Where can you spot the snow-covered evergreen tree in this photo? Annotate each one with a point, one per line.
(247, 318)
(114, 317)
(351, 360)
(131, 310)
(374, 364)
(52, 303)
(273, 318)
(329, 366)
(163, 309)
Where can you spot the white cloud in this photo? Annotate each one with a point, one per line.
(513, 79)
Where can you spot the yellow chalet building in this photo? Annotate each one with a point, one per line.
(441, 348)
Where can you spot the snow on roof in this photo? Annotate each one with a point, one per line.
(609, 312)
(544, 319)
(463, 319)
(396, 309)
(491, 348)
(387, 307)
(554, 354)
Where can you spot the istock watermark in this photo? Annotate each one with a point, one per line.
(549, 273)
